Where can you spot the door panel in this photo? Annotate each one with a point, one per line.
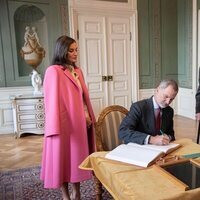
(93, 58)
(119, 60)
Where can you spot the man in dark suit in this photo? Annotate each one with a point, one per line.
(140, 124)
(197, 108)
(197, 96)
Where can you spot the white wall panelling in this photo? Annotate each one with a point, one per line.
(186, 103)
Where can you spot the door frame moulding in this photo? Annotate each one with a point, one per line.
(108, 5)
(75, 10)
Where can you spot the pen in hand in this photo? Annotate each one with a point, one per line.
(165, 136)
(162, 133)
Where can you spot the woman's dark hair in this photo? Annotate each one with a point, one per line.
(61, 49)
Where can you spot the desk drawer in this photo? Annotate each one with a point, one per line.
(31, 126)
(22, 117)
(30, 105)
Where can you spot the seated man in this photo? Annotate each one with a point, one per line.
(197, 96)
(140, 124)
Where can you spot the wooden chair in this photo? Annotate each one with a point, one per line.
(106, 130)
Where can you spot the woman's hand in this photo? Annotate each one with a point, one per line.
(88, 122)
(197, 116)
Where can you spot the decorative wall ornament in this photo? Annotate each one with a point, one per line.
(36, 82)
(33, 53)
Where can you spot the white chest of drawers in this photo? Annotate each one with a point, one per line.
(28, 114)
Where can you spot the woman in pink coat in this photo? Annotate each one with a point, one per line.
(69, 121)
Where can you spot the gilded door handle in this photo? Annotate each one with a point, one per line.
(110, 78)
(104, 78)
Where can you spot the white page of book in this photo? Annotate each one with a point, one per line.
(162, 148)
(133, 155)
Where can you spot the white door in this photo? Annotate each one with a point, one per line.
(119, 65)
(105, 46)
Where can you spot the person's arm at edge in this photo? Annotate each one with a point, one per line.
(127, 131)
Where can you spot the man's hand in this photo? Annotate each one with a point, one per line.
(197, 116)
(159, 140)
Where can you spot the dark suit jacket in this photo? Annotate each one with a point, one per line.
(140, 122)
(198, 97)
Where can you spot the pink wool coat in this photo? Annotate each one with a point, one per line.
(67, 142)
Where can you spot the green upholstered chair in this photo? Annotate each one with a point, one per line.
(106, 130)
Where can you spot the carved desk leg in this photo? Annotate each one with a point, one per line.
(98, 188)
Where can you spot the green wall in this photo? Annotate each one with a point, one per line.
(185, 43)
(13, 69)
(165, 42)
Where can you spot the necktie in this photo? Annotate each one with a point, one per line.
(158, 120)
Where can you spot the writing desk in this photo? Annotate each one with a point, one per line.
(126, 181)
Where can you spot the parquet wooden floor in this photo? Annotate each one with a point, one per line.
(26, 151)
(21, 152)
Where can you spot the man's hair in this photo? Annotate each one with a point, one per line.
(165, 83)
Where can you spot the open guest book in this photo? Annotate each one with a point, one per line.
(141, 155)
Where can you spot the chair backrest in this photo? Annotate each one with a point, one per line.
(107, 126)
